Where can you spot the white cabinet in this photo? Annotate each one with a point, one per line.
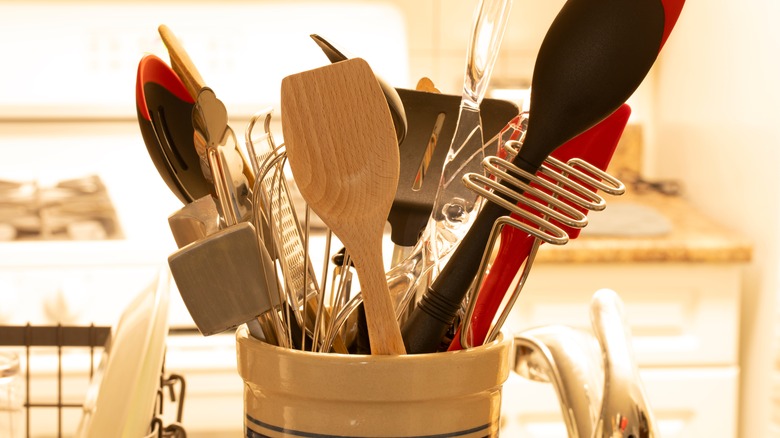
(687, 402)
(684, 319)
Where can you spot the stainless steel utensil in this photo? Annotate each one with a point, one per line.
(548, 211)
(209, 119)
(587, 157)
(286, 238)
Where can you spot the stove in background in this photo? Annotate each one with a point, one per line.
(67, 116)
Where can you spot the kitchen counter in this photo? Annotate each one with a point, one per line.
(690, 237)
(679, 275)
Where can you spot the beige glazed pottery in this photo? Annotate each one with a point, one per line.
(290, 393)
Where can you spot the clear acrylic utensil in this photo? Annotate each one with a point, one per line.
(454, 206)
(415, 272)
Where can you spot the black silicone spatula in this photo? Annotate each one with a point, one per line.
(432, 118)
(594, 56)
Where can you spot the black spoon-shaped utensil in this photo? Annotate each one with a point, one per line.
(391, 95)
(164, 110)
(594, 56)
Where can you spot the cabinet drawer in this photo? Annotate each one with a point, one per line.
(679, 314)
(694, 402)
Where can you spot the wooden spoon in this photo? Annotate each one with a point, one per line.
(181, 62)
(343, 153)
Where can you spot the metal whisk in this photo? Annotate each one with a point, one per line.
(304, 320)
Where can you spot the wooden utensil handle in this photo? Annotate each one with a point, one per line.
(181, 62)
(383, 331)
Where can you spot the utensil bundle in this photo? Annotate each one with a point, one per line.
(245, 255)
(569, 188)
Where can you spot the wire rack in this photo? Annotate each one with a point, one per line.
(30, 340)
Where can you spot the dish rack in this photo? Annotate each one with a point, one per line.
(27, 340)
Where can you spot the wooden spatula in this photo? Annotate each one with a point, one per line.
(343, 153)
(181, 62)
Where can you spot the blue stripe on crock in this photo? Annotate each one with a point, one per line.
(252, 434)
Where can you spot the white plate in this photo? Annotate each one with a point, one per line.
(121, 397)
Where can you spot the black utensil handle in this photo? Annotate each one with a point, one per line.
(429, 321)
